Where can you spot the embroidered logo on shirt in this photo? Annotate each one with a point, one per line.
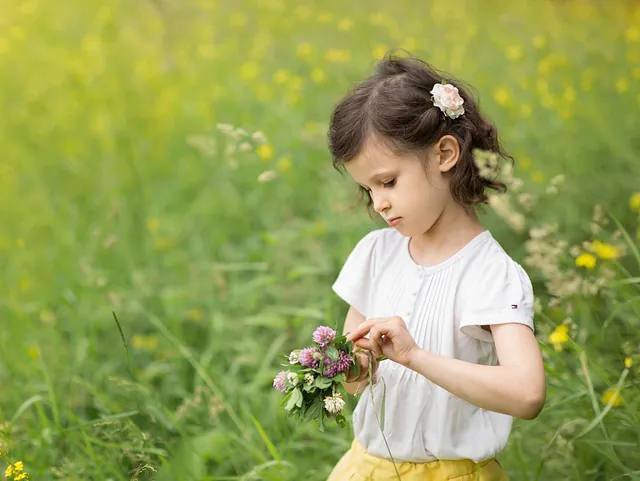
(514, 306)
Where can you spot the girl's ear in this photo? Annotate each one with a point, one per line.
(448, 151)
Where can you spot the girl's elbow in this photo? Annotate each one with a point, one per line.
(532, 405)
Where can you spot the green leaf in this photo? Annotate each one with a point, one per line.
(321, 420)
(339, 377)
(340, 340)
(332, 353)
(342, 391)
(384, 403)
(294, 400)
(355, 369)
(341, 420)
(315, 409)
(286, 398)
(323, 382)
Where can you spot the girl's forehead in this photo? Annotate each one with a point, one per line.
(377, 155)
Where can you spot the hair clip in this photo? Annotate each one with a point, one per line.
(446, 97)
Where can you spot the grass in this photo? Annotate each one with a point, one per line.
(121, 196)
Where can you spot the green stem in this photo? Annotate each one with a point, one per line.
(375, 410)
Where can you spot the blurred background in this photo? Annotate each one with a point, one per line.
(171, 223)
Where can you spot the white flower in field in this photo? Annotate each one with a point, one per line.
(225, 128)
(259, 137)
(240, 133)
(309, 378)
(293, 357)
(526, 200)
(292, 377)
(334, 404)
(447, 99)
(267, 176)
(245, 147)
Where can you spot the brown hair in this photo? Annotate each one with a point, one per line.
(395, 105)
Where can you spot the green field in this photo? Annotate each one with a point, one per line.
(216, 249)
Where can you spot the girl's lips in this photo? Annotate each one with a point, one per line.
(394, 222)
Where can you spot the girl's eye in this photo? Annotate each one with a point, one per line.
(391, 183)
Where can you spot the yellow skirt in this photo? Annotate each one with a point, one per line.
(359, 465)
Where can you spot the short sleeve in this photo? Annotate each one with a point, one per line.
(355, 281)
(502, 293)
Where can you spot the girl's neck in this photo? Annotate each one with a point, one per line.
(454, 229)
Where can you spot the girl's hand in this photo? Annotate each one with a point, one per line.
(388, 336)
(362, 358)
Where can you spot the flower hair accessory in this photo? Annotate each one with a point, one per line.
(446, 97)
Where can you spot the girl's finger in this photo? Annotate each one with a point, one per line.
(363, 329)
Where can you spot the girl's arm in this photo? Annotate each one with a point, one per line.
(516, 387)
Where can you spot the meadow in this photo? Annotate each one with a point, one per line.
(171, 223)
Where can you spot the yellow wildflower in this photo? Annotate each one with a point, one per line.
(344, 25)
(525, 163)
(18, 466)
(303, 50)
(539, 41)
(537, 177)
(632, 34)
(559, 336)
(379, 51)
(325, 17)
(281, 76)
(628, 362)
(604, 250)
(634, 202)
(20, 242)
(284, 164)
(586, 260)
(296, 82)
(318, 75)
(514, 53)
(238, 19)
(622, 85)
(265, 152)
(145, 342)
(337, 56)
(569, 94)
(502, 97)
(21, 477)
(9, 471)
(33, 352)
(544, 66)
(249, 71)
(153, 224)
(612, 397)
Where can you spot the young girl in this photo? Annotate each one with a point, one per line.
(434, 292)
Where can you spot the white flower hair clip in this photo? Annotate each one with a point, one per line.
(446, 97)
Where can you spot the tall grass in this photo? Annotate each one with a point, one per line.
(121, 196)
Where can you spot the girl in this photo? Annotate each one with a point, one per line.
(434, 292)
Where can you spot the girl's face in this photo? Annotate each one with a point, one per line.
(409, 194)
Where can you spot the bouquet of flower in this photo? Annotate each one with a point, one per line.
(314, 376)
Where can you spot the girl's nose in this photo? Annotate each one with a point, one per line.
(380, 204)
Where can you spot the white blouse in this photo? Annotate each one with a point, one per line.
(443, 306)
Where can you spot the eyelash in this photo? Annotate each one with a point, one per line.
(391, 183)
(386, 185)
